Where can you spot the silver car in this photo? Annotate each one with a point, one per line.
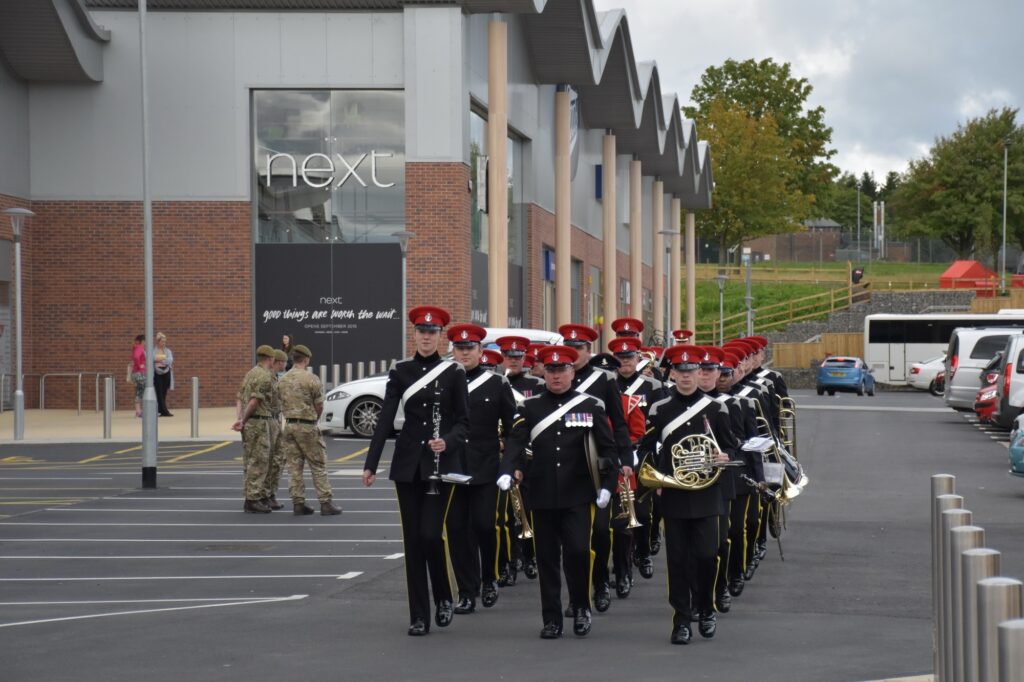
(355, 406)
(970, 349)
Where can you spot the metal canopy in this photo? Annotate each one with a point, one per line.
(51, 40)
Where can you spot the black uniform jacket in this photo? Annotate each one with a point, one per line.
(687, 504)
(781, 389)
(738, 423)
(492, 407)
(557, 476)
(525, 385)
(651, 390)
(606, 390)
(413, 460)
(747, 388)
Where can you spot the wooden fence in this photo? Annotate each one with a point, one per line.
(802, 355)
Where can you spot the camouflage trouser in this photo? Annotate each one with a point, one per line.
(256, 456)
(303, 443)
(276, 460)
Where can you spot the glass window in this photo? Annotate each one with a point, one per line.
(988, 346)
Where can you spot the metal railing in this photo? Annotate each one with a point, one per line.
(978, 615)
(352, 371)
(74, 375)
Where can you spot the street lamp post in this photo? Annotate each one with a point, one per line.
(1006, 148)
(403, 237)
(18, 216)
(749, 298)
(721, 279)
(858, 221)
(669, 236)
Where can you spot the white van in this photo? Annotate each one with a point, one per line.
(969, 351)
(1010, 384)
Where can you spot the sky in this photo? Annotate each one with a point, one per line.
(892, 75)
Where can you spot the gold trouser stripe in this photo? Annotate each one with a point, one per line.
(449, 570)
(746, 510)
(497, 531)
(593, 557)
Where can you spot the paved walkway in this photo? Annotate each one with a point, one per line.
(62, 426)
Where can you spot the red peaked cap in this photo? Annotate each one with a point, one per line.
(731, 360)
(428, 317)
(627, 326)
(529, 360)
(759, 340)
(713, 355)
(466, 334)
(513, 345)
(685, 357)
(557, 356)
(747, 348)
(491, 358)
(624, 345)
(682, 334)
(577, 334)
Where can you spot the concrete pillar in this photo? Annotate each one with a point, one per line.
(691, 271)
(608, 221)
(563, 212)
(497, 185)
(658, 252)
(636, 244)
(676, 266)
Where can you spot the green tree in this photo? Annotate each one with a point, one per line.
(838, 201)
(769, 89)
(892, 181)
(955, 193)
(868, 186)
(755, 193)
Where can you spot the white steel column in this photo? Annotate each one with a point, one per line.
(563, 211)
(636, 244)
(658, 253)
(691, 271)
(674, 283)
(497, 185)
(609, 220)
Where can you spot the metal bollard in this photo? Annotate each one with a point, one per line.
(942, 503)
(975, 565)
(348, 372)
(360, 370)
(1011, 651)
(323, 375)
(943, 498)
(335, 374)
(195, 407)
(952, 518)
(108, 407)
(960, 540)
(999, 599)
(373, 367)
(383, 366)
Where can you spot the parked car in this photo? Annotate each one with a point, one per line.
(845, 374)
(1010, 383)
(356, 405)
(1017, 447)
(922, 374)
(940, 382)
(985, 403)
(970, 349)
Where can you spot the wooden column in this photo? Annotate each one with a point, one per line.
(636, 244)
(675, 267)
(563, 212)
(497, 185)
(609, 218)
(691, 271)
(658, 253)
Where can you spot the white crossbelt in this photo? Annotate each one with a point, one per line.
(425, 379)
(684, 417)
(555, 416)
(588, 382)
(519, 397)
(633, 386)
(479, 381)
(746, 391)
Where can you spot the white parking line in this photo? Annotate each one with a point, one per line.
(202, 541)
(294, 597)
(118, 498)
(200, 525)
(193, 556)
(54, 478)
(873, 408)
(89, 602)
(121, 578)
(195, 511)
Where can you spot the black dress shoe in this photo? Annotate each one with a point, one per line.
(762, 551)
(602, 598)
(569, 611)
(723, 602)
(508, 577)
(708, 624)
(622, 587)
(465, 605)
(551, 631)
(581, 622)
(646, 567)
(655, 547)
(445, 613)
(418, 628)
(490, 595)
(530, 569)
(736, 587)
(166, 414)
(682, 635)
(749, 573)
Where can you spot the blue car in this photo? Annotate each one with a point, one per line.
(845, 374)
(1017, 448)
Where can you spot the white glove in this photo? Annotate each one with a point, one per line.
(504, 481)
(603, 498)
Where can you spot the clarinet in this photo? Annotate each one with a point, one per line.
(433, 488)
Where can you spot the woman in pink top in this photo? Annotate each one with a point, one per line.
(139, 371)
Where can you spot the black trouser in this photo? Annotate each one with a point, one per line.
(642, 535)
(722, 556)
(473, 531)
(655, 518)
(754, 526)
(562, 536)
(738, 549)
(161, 384)
(510, 547)
(762, 531)
(622, 550)
(690, 546)
(423, 541)
(601, 544)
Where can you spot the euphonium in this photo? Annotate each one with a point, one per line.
(626, 500)
(787, 424)
(520, 511)
(693, 466)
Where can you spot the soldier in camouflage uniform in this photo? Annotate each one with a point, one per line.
(302, 401)
(276, 455)
(255, 397)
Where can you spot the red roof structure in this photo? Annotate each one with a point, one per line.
(969, 274)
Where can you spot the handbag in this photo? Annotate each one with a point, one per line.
(128, 376)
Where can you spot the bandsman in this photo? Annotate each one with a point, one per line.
(255, 401)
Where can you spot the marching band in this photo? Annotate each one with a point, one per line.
(565, 462)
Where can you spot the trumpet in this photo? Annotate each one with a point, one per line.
(627, 499)
(519, 509)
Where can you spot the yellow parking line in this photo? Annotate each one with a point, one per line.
(215, 446)
(132, 449)
(353, 455)
(92, 459)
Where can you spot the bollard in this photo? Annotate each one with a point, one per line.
(943, 498)
(348, 372)
(195, 407)
(323, 375)
(999, 599)
(393, 363)
(360, 370)
(1011, 651)
(383, 366)
(975, 565)
(942, 503)
(960, 540)
(373, 367)
(335, 375)
(951, 518)
(108, 407)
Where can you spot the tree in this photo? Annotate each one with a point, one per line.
(754, 179)
(768, 89)
(955, 193)
(868, 186)
(892, 181)
(838, 201)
